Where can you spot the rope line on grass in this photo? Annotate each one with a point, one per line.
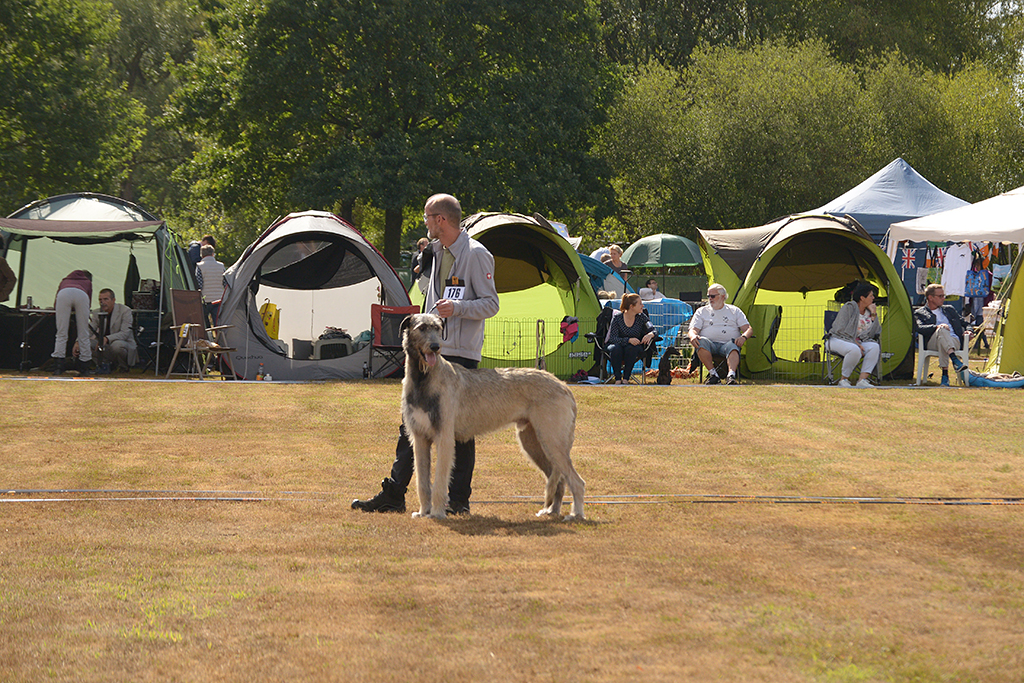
(179, 495)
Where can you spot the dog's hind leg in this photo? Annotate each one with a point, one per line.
(555, 434)
(421, 455)
(555, 488)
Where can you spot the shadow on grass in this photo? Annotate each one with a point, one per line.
(486, 525)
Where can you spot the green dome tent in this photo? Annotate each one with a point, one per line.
(539, 277)
(784, 276)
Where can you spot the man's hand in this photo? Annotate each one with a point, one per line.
(740, 339)
(445, 308)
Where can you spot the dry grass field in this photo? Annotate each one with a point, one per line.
(204, 534)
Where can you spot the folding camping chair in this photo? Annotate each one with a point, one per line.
(192, 335)
(386, 326)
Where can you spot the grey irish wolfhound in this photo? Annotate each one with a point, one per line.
(442, 403)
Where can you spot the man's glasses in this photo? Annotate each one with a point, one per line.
(712, 296)
(427, 215)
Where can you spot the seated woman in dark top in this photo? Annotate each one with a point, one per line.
(628, 336)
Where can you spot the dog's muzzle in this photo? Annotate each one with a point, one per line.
(431, 357)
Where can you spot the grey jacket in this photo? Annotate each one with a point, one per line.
(845, 324)
(474, 266)
(120, 325)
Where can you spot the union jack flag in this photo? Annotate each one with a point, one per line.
(909, 258)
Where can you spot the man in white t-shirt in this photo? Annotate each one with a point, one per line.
(719, 329)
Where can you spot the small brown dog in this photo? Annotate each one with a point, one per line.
(811, 355)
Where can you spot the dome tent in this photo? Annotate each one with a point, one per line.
(786, 274)
(320, 272)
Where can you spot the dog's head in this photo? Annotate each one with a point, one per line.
(665, 364)
(421, 339)
(816, 347)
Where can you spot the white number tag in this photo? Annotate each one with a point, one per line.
(454, 292)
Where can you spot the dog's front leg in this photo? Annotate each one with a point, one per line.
(443, 475)
(421, 459)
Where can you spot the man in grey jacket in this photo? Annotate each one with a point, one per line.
(113, 341)
(461, 291)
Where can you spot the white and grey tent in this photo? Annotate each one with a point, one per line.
(322, 275)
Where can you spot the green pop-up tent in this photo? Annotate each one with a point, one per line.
(785, 275)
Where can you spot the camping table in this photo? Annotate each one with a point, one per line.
(27, 328)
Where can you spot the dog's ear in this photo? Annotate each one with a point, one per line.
(405, 324)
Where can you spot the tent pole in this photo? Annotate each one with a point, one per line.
(21, 271)
(159, 323)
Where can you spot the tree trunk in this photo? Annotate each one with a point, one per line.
(393, 237)
(347, 206)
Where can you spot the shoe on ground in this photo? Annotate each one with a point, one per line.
(845, 383)
(83, 367)
(388, 500)
(732, 381)
(944, 382)
(457, 509)
(713, 379)
(865, 384)
(58, 366)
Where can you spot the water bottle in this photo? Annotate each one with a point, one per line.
(259, 373)
(366, 370)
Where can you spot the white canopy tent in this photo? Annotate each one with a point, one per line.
(997, 219)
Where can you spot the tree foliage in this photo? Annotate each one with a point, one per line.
(391, 101)
(943, 35)
(744, 136)
(65, 122)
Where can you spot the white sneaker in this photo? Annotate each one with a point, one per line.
(865, 384)
(845, 383)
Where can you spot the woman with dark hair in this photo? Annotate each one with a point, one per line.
(977, 287)
(855, 334)
(628, 335)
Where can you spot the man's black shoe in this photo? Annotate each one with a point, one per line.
(713, 379)
(457, 509)
(732, 381)
(83, 367)
(388, 500)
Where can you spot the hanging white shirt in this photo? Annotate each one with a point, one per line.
(954, 270)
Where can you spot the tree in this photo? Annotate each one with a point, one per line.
(943, 35)
(152, 36)
(963, 132)
(768, 132)
(391, 101)
(65, 123)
